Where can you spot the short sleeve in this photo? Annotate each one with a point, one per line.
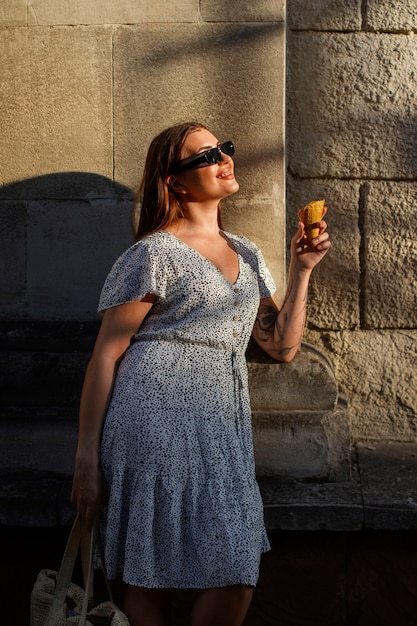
(253, 255)
(138, 271)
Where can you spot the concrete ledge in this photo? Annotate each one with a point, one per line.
(313, 506)
(388, 474)
(380, 496)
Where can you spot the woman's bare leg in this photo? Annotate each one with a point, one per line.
(147, 607)
(223, 606)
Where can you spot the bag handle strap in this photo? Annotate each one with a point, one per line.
(85, 542)
(66, 570)
(79, 536)
(89, 583)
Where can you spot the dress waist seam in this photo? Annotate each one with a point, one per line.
(175, 339)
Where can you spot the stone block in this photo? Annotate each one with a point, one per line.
(305, 384)
(13, 260)
(41, 444)
(389, 293)
(376, 371)
(300, 430)
(310, 446)
(391, 16)
(324, 15)
(334, 290)
(13, 13)
(42, 378)
(170, 73)
(36, 336)
(28, 498)
(44, 12)
(344, 91)
(56, 101)
(312, 506)
(243, 11)
(72, 245)
(388, 475)
(66, 512)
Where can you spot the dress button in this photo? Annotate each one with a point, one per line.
(235, 318)
(237, 303)
(236, 290)
(235, 334)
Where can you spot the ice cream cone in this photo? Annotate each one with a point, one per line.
(311, 215)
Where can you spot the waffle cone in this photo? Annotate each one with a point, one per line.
(311, 215)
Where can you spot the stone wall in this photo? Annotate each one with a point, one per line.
(351, 138)
(85, 86)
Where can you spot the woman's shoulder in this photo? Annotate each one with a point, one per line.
(145, 253)
(139, 270)
(149, 243)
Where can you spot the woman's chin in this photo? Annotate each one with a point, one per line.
(233, 187)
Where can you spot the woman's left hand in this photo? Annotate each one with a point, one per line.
(306, 255)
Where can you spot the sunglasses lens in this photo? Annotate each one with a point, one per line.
(228, 148)
(213, 156)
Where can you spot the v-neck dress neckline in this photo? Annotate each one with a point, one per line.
(202, 256)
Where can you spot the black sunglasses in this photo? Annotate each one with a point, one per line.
(211, 157)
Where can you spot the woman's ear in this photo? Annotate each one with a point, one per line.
(175, 185)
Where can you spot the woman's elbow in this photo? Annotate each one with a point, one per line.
(284, 355)
(286, 359)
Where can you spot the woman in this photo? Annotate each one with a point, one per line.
(165, 433)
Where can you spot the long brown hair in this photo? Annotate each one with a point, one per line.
(156, 205)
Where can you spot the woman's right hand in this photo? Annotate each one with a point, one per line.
(89, 490)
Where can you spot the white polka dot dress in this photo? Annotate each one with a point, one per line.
(184, 508)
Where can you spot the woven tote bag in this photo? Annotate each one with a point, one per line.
(56, 601)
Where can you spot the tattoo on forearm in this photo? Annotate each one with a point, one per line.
(290, 318)
(265, 322)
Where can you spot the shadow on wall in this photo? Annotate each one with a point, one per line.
(59, 235)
